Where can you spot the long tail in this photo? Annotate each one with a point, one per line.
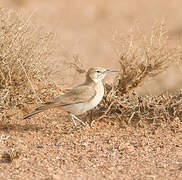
(37, 110)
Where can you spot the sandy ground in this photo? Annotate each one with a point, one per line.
(49, 147)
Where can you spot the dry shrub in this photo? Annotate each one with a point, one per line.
(141, 57)
(134, 109)
(24, 50)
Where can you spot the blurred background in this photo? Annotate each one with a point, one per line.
(86, 28)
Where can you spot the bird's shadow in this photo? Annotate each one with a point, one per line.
(10, 126)
(6, 127)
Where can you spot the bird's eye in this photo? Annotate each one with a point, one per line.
(98, 71)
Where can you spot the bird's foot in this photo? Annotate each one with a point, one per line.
(81, 122)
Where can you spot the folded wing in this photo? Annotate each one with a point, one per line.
(78, 94)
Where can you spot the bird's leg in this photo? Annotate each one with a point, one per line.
(74, 117)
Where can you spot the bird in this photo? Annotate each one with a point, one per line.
(81, 98)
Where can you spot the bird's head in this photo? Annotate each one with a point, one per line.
(97, 74)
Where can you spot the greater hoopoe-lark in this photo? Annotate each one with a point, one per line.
(80, 99)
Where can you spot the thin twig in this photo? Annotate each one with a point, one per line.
(28, 20)
(24, 70)
(105, 113)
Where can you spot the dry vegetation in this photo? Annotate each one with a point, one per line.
(142, 57)
(23, 54)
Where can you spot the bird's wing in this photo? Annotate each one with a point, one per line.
(78, 94)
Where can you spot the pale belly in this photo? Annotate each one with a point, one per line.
(80, 108)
